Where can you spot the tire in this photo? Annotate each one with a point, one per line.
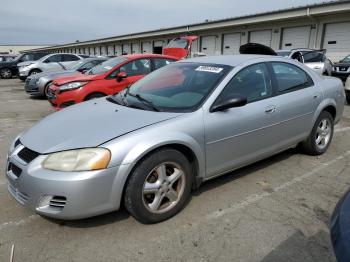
(166, 196)
(5, 73)
(94, 96)
(321, 135)
(34, 72)
(348, 97)
(46, 89)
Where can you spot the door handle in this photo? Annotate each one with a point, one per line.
(317, 95)
(270, 109)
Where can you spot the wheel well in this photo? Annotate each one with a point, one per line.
(331, 110)
(94, 93)
(35, 69)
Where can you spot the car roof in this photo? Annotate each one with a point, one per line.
(231, 60)
(135, 56)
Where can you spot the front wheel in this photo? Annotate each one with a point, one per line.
(6, 73)
(94, 96)
(159, 186)
(321, 135)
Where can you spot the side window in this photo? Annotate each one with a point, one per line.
(160, 62)
(89, 65)
(252, 82)
(53, 58)
(68, 58)
(136, 67)
(290, 77)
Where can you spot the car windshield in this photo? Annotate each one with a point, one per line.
(74, 65)
(312, 56)
(283, 53)
(346, 59)
(178, 87)
(178, 43)
(107, 65)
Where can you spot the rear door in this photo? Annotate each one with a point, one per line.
(298, 99)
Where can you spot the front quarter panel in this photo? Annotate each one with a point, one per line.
(129, 149)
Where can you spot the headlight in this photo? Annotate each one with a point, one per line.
(78, 160)
(72, 85)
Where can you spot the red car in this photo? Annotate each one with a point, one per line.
(108, 78)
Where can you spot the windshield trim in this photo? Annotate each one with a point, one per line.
(192, 109)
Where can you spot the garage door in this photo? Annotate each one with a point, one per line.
(103, 50)
(337, 40)
(87, 51)
(126, 49)
(146, 47)
(92, 52)
(97, 50)
(118, 49)
(135, 48)
(261, 37)
(208, 45)
(110, 50)
(231, 43)
(296, 37)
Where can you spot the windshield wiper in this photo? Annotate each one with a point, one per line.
(143, 100)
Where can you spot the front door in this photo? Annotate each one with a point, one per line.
(238, 136)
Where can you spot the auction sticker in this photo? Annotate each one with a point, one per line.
(211, 69)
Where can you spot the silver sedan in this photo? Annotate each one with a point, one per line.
(150, 145)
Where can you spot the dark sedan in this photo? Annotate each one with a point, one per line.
(340, 229)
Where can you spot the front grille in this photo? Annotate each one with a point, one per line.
(27, 155)
(15, 170)
(58, 202)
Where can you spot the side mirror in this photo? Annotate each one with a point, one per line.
(233, 101)
(120, 76)
(82, 70)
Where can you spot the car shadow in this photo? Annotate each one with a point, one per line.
(38, 97)
(299, 247)
(122, 214)
(244, 171)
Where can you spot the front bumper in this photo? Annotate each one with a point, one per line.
(23, 71)
(62, 100)
(63, 195)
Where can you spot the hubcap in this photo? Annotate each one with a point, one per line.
(163, 187)
(323, 134)
(5, 73)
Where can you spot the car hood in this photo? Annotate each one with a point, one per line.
(81, 77)
(26, 63)
(88, 124)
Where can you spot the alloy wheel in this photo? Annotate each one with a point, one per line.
(323, 134)
(163, 188)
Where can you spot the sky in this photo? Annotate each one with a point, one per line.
(45, 22)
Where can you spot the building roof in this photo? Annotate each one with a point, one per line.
(275, 15)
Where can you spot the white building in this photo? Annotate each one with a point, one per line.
(16, 49)
(325, 25)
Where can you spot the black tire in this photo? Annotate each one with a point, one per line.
(310, 146)
(5, 73)
(46, 89)
(348, 97)
(34, 71)
(23, 78)
(135, 198)
(94, 96)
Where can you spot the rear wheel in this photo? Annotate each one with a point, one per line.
(348, 97)
(321, 135)
(159, 186)
(94, 96)
(5, 73)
